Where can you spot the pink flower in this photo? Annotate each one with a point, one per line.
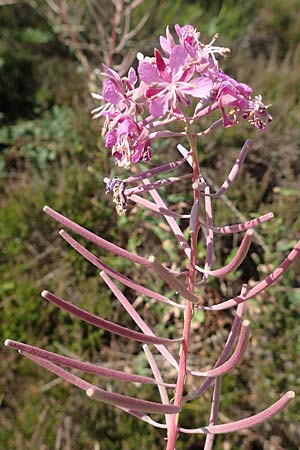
(116, 90)
(129, 141)
(169, 81)
(229, 93)
(167, 43)
(188, 35)
(203, 55)
(117, 93)
(188, 38)
(232, 94)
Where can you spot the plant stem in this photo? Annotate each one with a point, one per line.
(189, 309)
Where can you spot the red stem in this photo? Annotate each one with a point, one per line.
(189, 309)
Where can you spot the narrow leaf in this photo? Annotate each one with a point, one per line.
(155, 171)
(262, 285)
(209, 440)
(113, 273)
(137, 318)
(157, 209)
(80, 365)
(155, 184)
(236, 260)
(233, 172)
(171, 221)
(227, 348)
(234, 359)
(157, 375)
(118, 400)
(127, 402)
(103, 323)
(249, 422)
(100, 242)
(238, 227)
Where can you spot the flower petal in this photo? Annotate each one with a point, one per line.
(200, 87)
(148, 72)
(110, 92)
(159, 106)
(132, 77)
(110, 138)
(167, 43)
(178, 59)
(161, 66)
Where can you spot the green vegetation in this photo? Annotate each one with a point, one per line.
(51, 153)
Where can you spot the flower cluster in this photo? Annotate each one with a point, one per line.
(166, 87)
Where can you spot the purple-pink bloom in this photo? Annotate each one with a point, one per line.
(169, 82)
(129, 141)
(116, 90)
(164, 88)
(229, 93)
(187, 35)
(167, 43)
(232, 94)
(117, 93)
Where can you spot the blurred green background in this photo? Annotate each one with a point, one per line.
(52, 153)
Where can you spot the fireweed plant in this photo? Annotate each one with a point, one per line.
(181, 84)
